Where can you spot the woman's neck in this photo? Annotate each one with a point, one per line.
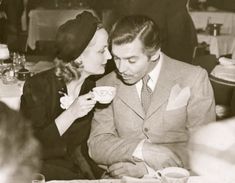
(74, 86)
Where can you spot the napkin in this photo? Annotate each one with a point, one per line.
(226, 61)
(178, 97)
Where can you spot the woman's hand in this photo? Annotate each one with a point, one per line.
(82, 105)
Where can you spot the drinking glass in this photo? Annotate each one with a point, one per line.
(38, 178)
(4, 54)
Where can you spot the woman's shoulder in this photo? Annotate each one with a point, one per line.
(41, 81)
(42, 77)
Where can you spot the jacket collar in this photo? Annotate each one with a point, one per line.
(167, 77)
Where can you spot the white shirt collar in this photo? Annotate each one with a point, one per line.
(154, 75)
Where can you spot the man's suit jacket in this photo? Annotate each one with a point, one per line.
(40, 103)
(118, 128)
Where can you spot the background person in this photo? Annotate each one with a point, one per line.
(147, 125)
(19, 150)
(178, 33)
(10, 22)
(212, 150)
(59, 102)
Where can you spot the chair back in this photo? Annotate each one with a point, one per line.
(207, 62)
(201, 50)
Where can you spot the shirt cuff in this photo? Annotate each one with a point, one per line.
(63, 122)
(151, 172)
(138, 154)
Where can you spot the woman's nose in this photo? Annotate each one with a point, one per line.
(108, 54)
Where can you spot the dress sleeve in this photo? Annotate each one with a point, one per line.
(34, 106)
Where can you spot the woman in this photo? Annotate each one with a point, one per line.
(59, 101)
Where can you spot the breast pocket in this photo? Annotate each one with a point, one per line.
(175, 120)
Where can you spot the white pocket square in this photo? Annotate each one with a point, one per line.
(178, 97)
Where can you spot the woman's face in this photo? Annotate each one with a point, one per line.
(95, 56)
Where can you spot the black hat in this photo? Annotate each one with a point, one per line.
(73, 36)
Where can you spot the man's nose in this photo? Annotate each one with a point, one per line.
(122, 66)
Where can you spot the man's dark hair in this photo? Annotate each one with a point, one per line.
(128, 28)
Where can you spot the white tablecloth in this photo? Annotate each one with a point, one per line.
(43, 23)
(10, 94)
(219, 45)
(193, 179)
(224, 74)
(226, 18)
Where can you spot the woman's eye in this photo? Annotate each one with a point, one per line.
(101, 51)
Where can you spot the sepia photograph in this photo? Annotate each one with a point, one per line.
(117, 91)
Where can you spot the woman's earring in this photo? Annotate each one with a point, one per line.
(77, 63)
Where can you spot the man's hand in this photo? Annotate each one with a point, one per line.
(158, 156)
(118, 170)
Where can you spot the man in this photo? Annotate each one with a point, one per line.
(10, 22)
(146, 127)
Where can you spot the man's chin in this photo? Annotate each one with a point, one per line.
(129, 81)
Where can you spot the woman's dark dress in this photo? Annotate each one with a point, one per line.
(63, 157)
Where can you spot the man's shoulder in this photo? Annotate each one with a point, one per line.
(185, 68)
(184, 72)
(110, 79)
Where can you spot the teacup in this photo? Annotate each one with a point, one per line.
(174, 175)
(104, 94)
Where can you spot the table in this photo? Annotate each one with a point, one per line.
(43, 23)
(219, 45)
(224, 75)
(10, 94)
(200, 19)
(192, 179)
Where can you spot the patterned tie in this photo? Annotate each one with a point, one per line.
(146, 93)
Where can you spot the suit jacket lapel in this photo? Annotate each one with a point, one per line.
(164, 84)
(128, 94)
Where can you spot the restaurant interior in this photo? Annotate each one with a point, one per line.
(198, 32)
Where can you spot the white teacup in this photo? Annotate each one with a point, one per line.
(104, 94)
(174, 175)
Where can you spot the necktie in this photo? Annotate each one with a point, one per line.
(146, 93)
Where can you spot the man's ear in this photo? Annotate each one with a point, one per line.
(155, 56)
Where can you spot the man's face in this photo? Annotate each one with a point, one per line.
(132, 63)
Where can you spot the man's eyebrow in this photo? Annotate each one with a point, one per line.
(127, 58)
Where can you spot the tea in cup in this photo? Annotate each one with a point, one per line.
(174, 175)
(104, 94)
